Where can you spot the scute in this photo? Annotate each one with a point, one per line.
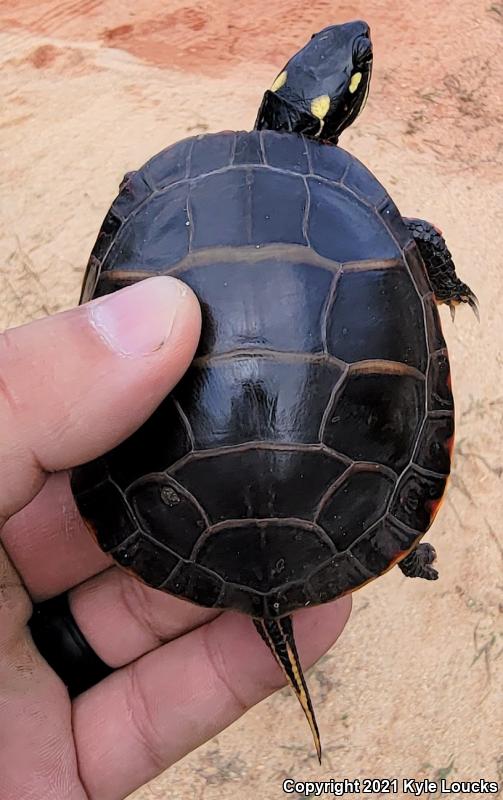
(247, 148)
(294, 482)
(376, 417)
(384, 544)
(237, 297)
(146, 559)
(294, 157)
(170, 165)
(214, 150)
(417, 496)
(336, 577)
(367, 318)
(167, 513)
(337, 230)
(307, 447)
(105, 509)
(355, 505)
(162, 439)
(361, 181)
(264, 555)
(247, 398)
(163, 223)
(193, 581)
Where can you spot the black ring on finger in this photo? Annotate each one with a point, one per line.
(63, 645)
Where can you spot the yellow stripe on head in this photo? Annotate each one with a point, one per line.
(280, 81)
(355, 82)
(320, 106)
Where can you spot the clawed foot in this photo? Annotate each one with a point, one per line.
(418, 563)
(465, 295)
(440, 267)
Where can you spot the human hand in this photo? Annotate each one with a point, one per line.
(71, 387)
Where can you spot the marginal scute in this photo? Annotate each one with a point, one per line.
(107, 236)
(146, 559)
(383, 544)
(134, 190)
(439, 383)
(416, 499)
(361, 181)
(170, 165)
(190, 580)
(86, 480)
(161, 222)
(104, 507)
(433, 449)
(167, 513)
(436, 339)
(328, 162)
(91, 279)
(392, 218)
(240, 596)
(294, 595)
(417, 268)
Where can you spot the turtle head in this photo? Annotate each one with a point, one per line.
(323, 88)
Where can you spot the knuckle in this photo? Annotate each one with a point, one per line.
(137, 602)
(141, 715)
(217, 663)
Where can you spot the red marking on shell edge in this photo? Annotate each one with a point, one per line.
(399, 557)
(433, 507)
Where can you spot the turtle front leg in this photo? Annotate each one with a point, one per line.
(447, 286)
(418, 563)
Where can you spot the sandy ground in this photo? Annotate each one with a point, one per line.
(91, 89)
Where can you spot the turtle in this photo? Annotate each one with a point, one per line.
(307, 448)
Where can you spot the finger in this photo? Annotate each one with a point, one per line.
(74, 385)
(122, 619)
(49, 543)
(37, 756)
(148, 715)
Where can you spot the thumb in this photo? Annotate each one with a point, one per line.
(74, 385)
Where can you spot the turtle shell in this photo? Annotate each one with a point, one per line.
(307, 448)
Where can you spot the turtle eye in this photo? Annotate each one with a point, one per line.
(362, 51)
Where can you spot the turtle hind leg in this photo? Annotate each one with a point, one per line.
(447, 286)
(278, 636)
(418, 563)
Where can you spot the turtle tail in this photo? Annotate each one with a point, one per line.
(278, 636)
